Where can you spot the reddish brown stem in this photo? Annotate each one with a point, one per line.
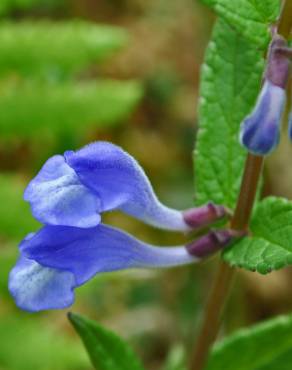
(223, 280)
(249, 184)
(213, 312)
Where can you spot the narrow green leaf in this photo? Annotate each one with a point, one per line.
(31, 109)
(255, 348)
(230, 82)
(106, 350)
(251, 18)
(270, 246)
(53, 49)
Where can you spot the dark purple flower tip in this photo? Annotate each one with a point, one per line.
(205, 215)
(260, 131)
(213, 242)
(278, 64)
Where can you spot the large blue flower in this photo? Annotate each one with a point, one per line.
(74, 189)
(57, 259)
(68, 195)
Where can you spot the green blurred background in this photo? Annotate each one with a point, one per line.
(74, 71)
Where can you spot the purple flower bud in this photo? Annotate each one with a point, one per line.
(278, 64)
(260, 131)
(205, 215)
(212, 242)
(57, 259)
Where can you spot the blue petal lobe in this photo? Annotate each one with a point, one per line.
(57, 197)
(120, 182)
(260, 131)
(86, 252)
(37, 288)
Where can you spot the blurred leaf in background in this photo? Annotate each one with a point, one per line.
(8, 5)
(27, 344)
(56, 49)
(30, 110)
(53, 96)
(15, 217)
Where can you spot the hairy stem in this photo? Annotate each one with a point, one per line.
(224, 277)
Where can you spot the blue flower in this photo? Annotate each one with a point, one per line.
(57, 259)
(68, 195)
(74, 189)
(260, 131)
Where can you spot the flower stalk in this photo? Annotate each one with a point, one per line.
(225, 274)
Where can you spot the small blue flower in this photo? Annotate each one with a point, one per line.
(74, 189)
(260, 131)
(57, 259)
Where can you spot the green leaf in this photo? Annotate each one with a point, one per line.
(255, 348)
(270, 246)
(34, 109)
(251, 18)
(15, 217)
(106, 350)
(230, 82)
(53, 49)
(282, 362)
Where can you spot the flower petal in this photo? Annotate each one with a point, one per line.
(120, 182)
(57, 197)
(57, 259)
(86, 252)
(36, 288)
(261, 130)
